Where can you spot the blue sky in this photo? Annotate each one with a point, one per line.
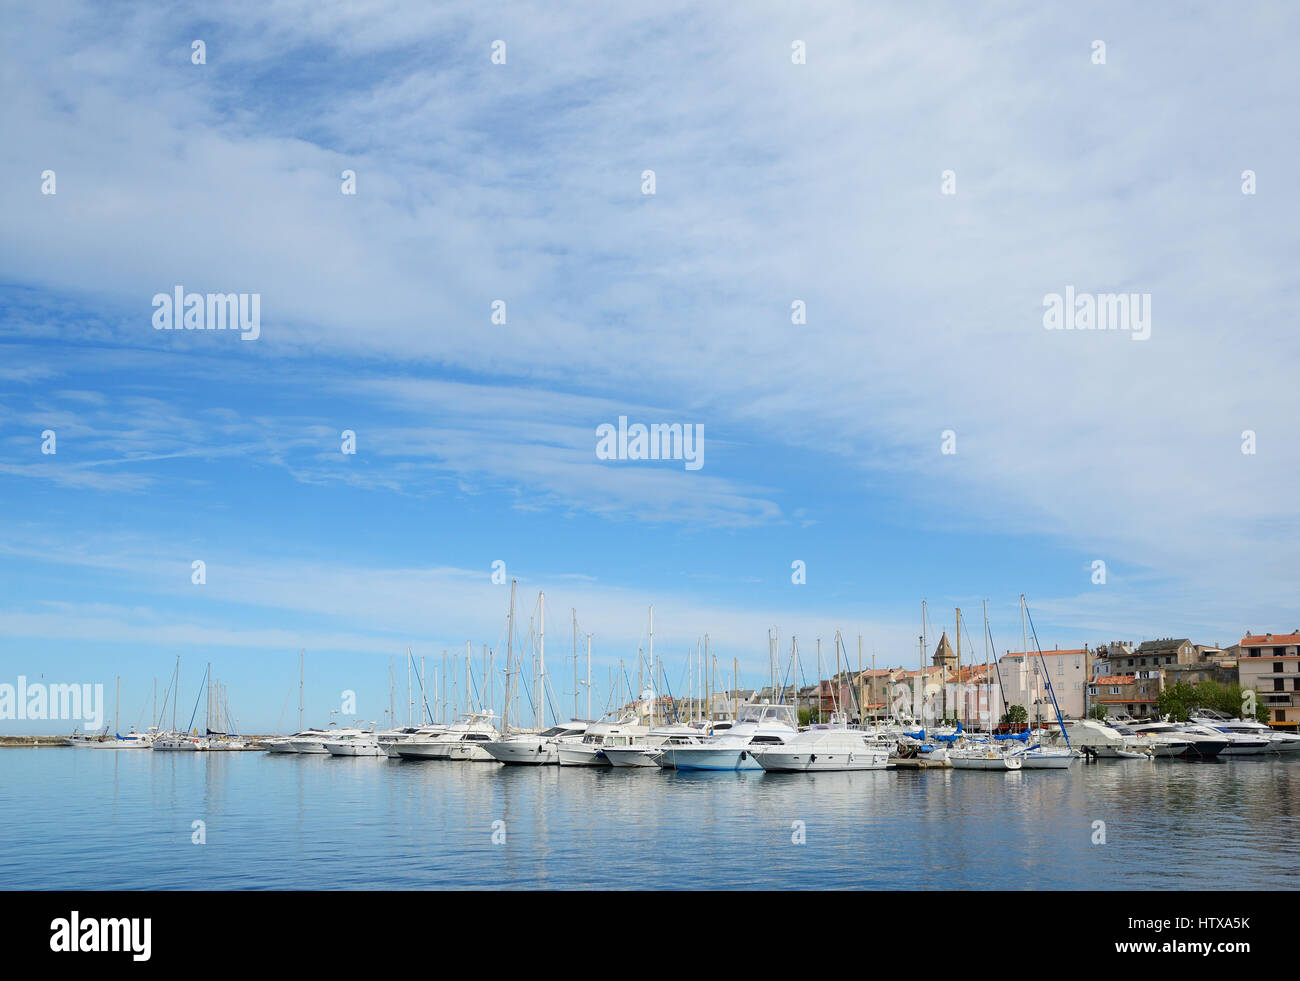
(522, 182)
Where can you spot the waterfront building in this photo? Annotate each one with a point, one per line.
(1070, 672)
(1270, 664)
(1135, 695)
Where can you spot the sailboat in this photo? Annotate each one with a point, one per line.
(984, 755)
(177, 741)
(132, 740)
(1037, 756)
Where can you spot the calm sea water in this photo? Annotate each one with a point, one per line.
(79, 819)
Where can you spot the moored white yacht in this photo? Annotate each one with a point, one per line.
(1169, 740)
(822, 748)
(536, 748)
(314, 743)
(462, 741)
(1238, 743)
(645, 752)
(757, 728)
(1105, 741)
(287, 744)
(590, 750)
(1278, 741)
(359, 744)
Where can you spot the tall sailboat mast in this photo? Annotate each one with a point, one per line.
(541, 659)
(510, 656)
(301, 654)
(652, 666)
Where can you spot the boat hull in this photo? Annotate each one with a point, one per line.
(582, 754)
(632, 756)
(523, 753)
(785, 761)
(702, 758)
(355, 749)
(1002, 763)
(1054, 761)
(468, 752)
(421, 751)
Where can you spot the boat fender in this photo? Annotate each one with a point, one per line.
(742, 755)
(850, 757)
(812, 758)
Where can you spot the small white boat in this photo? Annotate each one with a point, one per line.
(179, 742)
(982, 758)
(132, 740)
(1047, 758)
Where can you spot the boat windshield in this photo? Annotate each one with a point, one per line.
(768, 714)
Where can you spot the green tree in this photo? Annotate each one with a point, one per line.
(1015, 715)
(1098, 712)
(1177, 701)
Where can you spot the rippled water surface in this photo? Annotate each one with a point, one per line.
(80, 819)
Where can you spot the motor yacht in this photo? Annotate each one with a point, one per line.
(826, 747)
(1279, 741)
(757, 728)
(288, 744)
(1238, 744)
(462, 741)
(314, 743)
(590, 750)
(645, 752)
(1170, 740)
(536, 748)
(361, 744)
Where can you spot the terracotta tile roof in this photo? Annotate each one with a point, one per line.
(1114, 679)
(1281, 640)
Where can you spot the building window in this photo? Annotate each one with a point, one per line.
(1279, 684)
(1278, 667)
(1279, 715)
(1114, 691)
